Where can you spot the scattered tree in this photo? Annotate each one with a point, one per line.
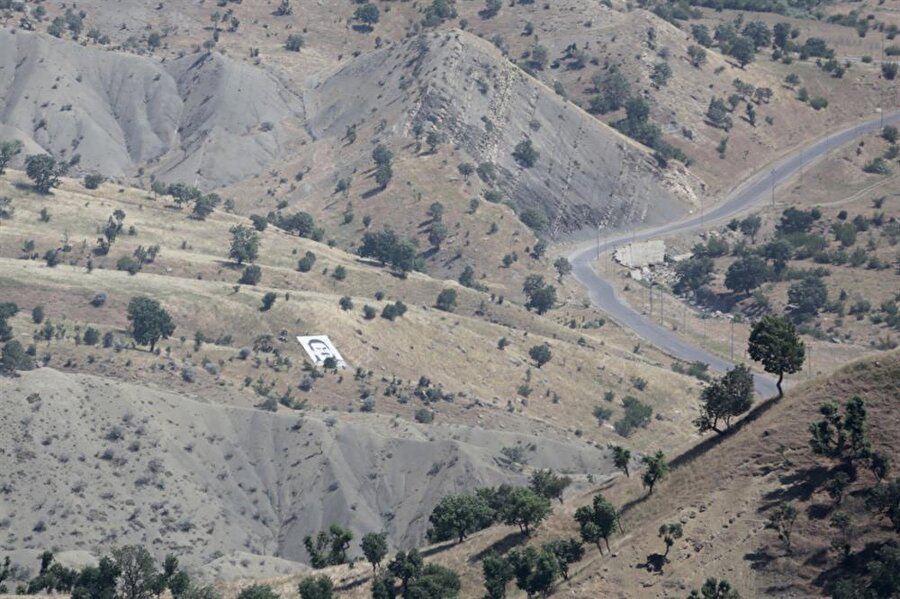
(775, 343)
(149, 321)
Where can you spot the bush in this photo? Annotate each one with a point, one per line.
(251, 275)
(91, 336)
(637, 414)
(818, 103)
(128, 264)
(525, 154)
(93, 180)
(446, 300)
(294, 42)
(268, 300)
(99, 299)
(37, 314)
(346, 303)
(339, 274)
(369, 312)
(306, 263)
(424, 416)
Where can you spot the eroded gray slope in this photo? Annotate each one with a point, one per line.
(89, 463)
(201, 119)
(587, 173)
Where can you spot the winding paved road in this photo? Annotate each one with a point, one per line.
(754, 190)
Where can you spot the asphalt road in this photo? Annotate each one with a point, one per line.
(753, 191)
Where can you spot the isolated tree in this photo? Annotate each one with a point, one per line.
(316, 587)
(374, 548)
(44, 171)
(497, 573)
(437, 234)
(661, 74)
(670, 533)
(746, 274)
(457, 516)
(562, 266)
(655, 470)
(621, 459)
(775, 343)
(846, 437)
(525, 154)
(446, 300)
(136, 572)
(9, 149)
(244, 244)
(368, 14)
(598, 521)
(541, 354)
(779, 252)
(715, 589)
(612, 89)
(781, 520)
(294, 42)
(697, 55)
(149, 321)
(725, 398)
(383, 175)
(547, 483)
(328, 548)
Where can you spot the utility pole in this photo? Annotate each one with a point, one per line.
(772, 176)
(662, 307)
(732, 339)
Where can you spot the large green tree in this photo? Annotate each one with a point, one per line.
(655, 470)
(44, 171)
(316, 587)
(775, 343)
(547, 483)
(725, 398)
(457, 516)
(149, 321)
(598, 521)
(244, 244)
(374, 547)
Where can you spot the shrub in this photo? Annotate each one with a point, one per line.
(93, 180)
(294, 42)
(339, 274)
(446, 300)
(268, 300)
(369, 312)
(251, 275)
(346, 303)
(99, 299)
(306, 263)
(37, 314)
(424, 416)
(91, 336)
(637, 414)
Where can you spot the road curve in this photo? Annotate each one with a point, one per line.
(754, 190)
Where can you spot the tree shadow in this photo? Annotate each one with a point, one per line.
(759, 559)
(654, 564)
(362, 28)
(371, 193)
(854, 564)
(500, 546)
(799, 485)
(818, 511)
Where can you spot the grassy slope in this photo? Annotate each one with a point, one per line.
(722, 491)
(457, 351)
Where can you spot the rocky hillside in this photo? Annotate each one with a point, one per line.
(94, 462)
(202, 119)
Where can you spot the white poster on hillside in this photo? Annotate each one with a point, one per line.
(319, 348)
